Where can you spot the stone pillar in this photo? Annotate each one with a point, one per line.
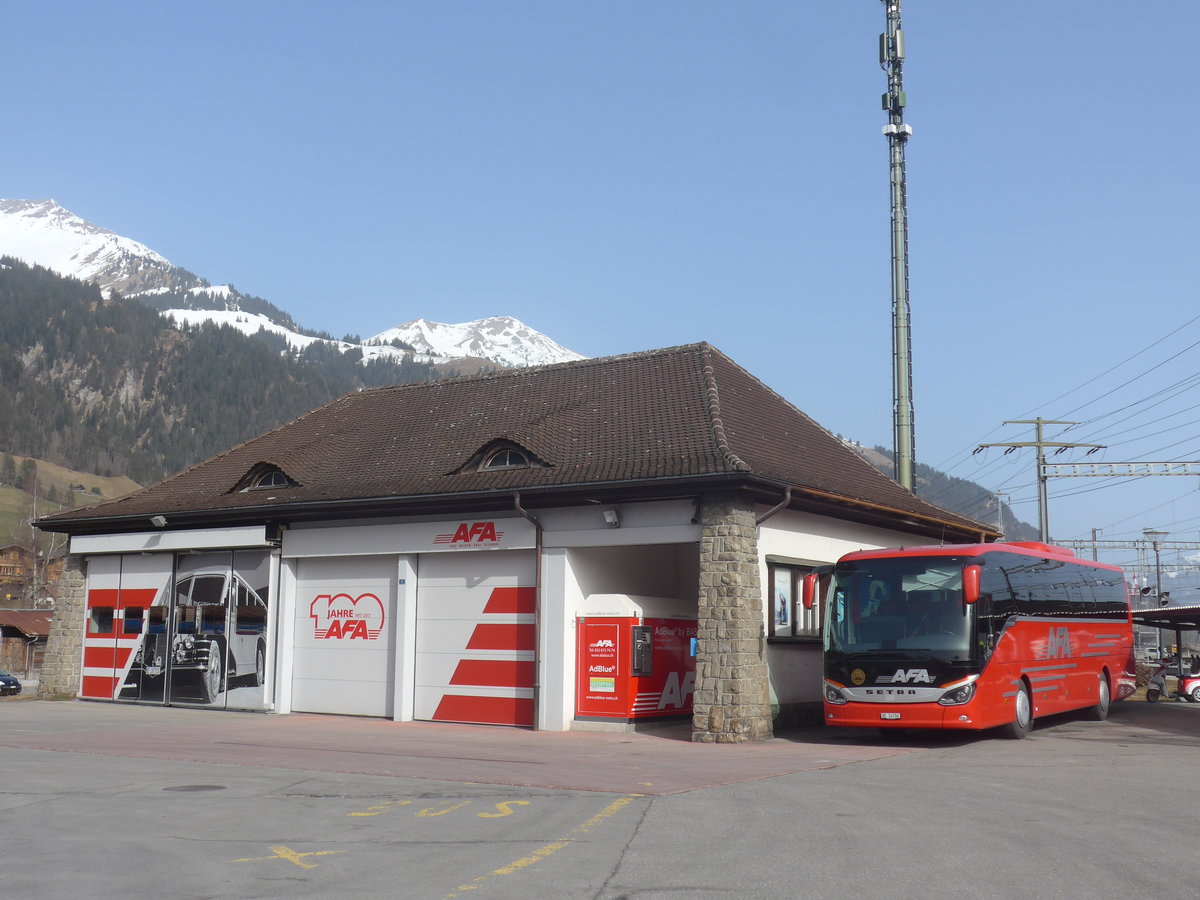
(63, 662)
(732, 699)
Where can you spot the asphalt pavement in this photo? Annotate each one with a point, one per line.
(114, 800)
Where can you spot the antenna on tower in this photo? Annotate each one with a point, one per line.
(891, 59)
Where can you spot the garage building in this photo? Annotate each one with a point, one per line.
(567, 546)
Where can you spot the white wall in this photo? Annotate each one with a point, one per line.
(807, 539)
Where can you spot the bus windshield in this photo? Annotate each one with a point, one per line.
(899, 604)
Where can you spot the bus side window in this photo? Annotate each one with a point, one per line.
(995, 606)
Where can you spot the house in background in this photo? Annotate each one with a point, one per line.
(568, 546)
(23, 637)
(16, 563)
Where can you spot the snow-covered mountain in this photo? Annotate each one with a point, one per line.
(501, 339)
(41, 232)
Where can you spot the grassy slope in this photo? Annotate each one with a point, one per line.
(16, 505)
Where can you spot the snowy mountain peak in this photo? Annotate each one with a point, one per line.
(501, 339)
(40, 232)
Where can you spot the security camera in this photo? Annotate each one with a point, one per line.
(158, 521)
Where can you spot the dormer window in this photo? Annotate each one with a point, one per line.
(272, 478)
(500, 455)
(507, 458)
(264, 477)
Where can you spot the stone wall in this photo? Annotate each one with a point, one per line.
(60, 675)
(732, 699)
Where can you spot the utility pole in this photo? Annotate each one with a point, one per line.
(1000, 510)
(891, 59)
(1041, 445)
(1158, 594)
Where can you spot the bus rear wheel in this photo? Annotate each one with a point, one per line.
(1099, 712)
(1022, 722)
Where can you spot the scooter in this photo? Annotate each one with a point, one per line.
(1187, 685)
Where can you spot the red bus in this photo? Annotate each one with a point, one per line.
(972, 637)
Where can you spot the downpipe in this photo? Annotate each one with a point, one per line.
(537, 606)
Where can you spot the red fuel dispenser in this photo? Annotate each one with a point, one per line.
(635, 658)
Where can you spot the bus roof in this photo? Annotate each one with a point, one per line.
(1024, 548)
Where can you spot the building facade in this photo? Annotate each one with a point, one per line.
(581, 545)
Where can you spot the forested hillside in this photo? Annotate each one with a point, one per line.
(964, 497)
(107, 386)
(110, 387)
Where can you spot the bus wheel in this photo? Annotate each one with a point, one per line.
(1099, 712)
(1022, 722)
(210, 677)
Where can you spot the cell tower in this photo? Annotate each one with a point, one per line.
(891, 59)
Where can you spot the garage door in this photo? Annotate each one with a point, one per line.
(344, 657)
(476, 637)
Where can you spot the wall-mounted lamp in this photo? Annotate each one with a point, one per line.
(612, 518)
(158, 521)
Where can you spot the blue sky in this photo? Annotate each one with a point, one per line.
(624, 176)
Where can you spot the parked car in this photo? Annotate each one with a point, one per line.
(8, 684)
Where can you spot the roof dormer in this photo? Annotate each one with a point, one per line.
(264, 476)
(501, 455)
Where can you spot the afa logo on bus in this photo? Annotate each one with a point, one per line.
(342, 617)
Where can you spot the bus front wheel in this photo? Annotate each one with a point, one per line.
(1022, 722)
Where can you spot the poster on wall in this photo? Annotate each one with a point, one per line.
(186, 628)
(781, 595)
(215, 648)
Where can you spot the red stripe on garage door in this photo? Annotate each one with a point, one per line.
(494, 673)
(485, 710)
(104, 657)
(502, 637)
(512, 600)
(98, 687)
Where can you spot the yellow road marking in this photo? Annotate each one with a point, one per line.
(429, 812)
(549, 849)
(282, 852)
(381, 808)
(505, 809)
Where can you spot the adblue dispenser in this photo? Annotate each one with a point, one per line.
(635, 657)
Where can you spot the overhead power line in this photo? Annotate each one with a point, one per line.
(1041, 444)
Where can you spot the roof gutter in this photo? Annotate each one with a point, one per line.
(876, 507)
(285, 511)
(401, 505)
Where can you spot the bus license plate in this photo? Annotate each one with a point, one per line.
(889, 715)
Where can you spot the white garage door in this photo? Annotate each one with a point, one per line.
(344, 656)
(475, 637)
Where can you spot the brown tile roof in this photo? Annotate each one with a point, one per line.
(30, 622)
(681, 413)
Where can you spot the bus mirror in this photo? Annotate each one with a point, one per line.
(970, 584)
(808, 590)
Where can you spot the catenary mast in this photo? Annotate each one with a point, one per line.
(891, 58)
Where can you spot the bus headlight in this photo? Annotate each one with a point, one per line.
(833, 694)
(959, 693)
